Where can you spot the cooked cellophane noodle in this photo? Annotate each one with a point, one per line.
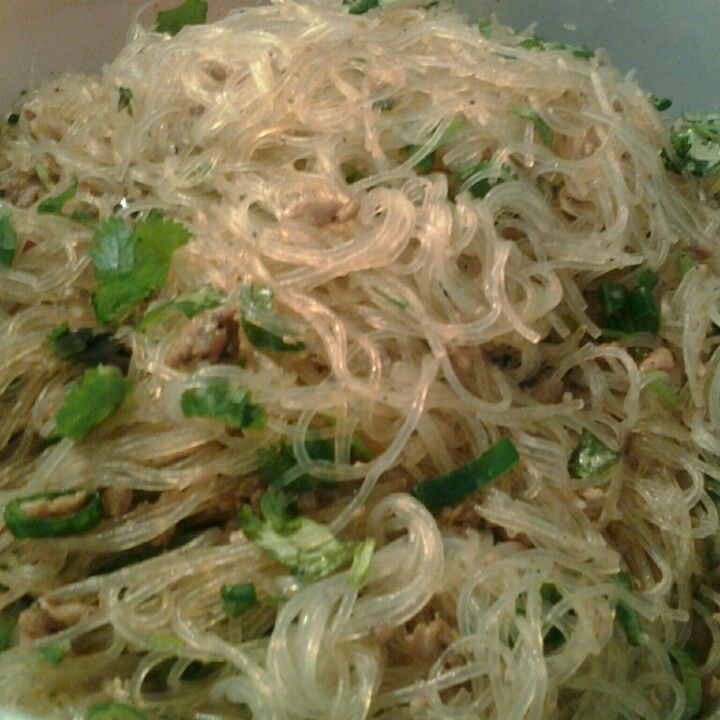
(435, 323)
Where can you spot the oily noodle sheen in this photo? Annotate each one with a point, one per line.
(434, 327)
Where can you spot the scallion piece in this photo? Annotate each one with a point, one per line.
(53, 514)
(450, 488)
(238, 599)
(591, 458)
(55, 653)
(690, 681)
(629, 311)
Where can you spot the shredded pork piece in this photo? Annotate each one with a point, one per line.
(660, 359)
(206, 338)
(319, 209)
(47, 616)
(117, 501)
(426, 640)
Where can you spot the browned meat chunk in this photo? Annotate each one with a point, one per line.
(206, 338)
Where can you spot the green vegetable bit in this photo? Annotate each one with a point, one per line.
(55, 652)
(359, 7)
(53, 514)
(685, 263)
(695, 145)
(627, 311)
(100, 392)
(8, 623)
(591, 458)
(125, 98)
(257, 302)
(425, 164)
(190, 12)
(190, 304)
(543, 129)
(627, 616)
(660, 104)
(131, 263)
(306, 547)
(690, 681)
(664, 392)
(54, 204)
(362, 557)
(113, 711)
(238, 599)
(13, 119)
(536, 43)
(480, 188)
(450, 488)
(217, 399)
(8, 240)
(89, 348)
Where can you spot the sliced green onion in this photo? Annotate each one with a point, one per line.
(361, 562)
(113, 711)
(8, 240)
(662, 389)
(450, 488)
(390, 296)
(690, 681)
(626, 615)
(686, 263)
(53, 514)
(238, 599)
(591, 458)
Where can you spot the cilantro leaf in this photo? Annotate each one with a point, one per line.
(8, 240)
(131, 263)
(306, 547)
(264, 328)
(125, 97)
(629, 310)
(359, 7)
(543, 129)
(13, 119)
(54, 204)
(190, 304)
(480, 188)
(89, 348)
(695, 145)
(659, 103)
(536, 43)
(238, 599)
(55, 652)
(219, 400)
(99, 393)
(190, 12)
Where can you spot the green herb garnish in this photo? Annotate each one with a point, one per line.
(8, 240)
(217, 399)
(113, 711)
(190, 12)
(543, 129)
(306, 547)
(55, 652)
(273, 333)
(190, 304)
(591, 458)
(628, 311)
(54, 204)
(627, 616)
(359, 7)
(238, 599)
(13, 119)
(125, 98)
(97, 395)
(453, 487)
(132, 262)
(89, 348)
(660, 104)
(480, 188)
(362, 557)
(690, 680)
(536, 43)
(695, 145)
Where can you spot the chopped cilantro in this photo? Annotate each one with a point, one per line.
(190, 304)
(55, 652)
(536, 43)
(306, 547)
(13, 119)
(97, 395)
(190, 12)
(359, 7)
(8, 240)
(628, 311)
(238, 599)
(89, 348)
(125, 97)
(217, 399)
(591, 458)
(659, 103)
(692, 685)
(8, 623)
(695, 145)
(264, 328)
(543, 129)
(480, 188)
(54, 204)
(131, 263)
